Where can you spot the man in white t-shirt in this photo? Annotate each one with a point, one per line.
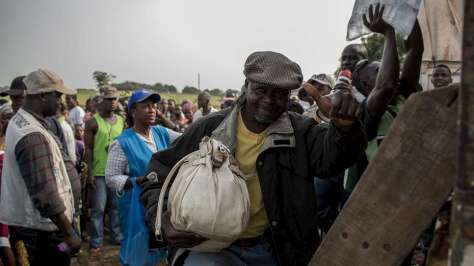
(76, 113)
(204, 106)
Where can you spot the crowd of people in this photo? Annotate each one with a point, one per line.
(302, 145)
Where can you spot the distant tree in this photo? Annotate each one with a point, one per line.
(131, 86)
(374, 44)
(215, 92)
(231, 93)
(102, 78)
(190, 90)
(170, 88)
(85, 90)
(158, 87)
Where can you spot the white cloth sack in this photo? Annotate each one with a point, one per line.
(401, 14)
(208, 196)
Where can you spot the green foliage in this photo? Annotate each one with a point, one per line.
(84, 94)
(215, 92)
(131, 86)
(374, 44)
(190, 90)
(158, 87)
(102, 78)
(231, 93)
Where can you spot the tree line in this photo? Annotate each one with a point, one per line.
(102, 78)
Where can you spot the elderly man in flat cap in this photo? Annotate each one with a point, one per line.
(280, 152)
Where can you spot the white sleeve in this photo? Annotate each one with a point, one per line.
(172, 135)
(116, 169)
(4, 242)
(70, 141)
(81, 113)
(77, 115)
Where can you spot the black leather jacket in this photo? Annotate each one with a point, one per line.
(295, 150)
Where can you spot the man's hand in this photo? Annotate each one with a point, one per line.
(74, 243)
(91, 181)
(128, 184)
(375, 23)
(345, 109)
(324, 103)
(139, 180)
(178, 238)
(70, 236)
(340, 105)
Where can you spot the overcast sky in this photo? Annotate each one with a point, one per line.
(167, 41)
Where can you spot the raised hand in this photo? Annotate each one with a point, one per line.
(376, 23)
(345, 109)
(340, 106)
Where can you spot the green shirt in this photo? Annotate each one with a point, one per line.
(104, 136)
(355, 172)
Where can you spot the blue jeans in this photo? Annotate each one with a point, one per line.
(258, 255)
(98, 197)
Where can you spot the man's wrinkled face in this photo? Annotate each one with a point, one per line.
(441, 77)
(350, 56)
(266, 104)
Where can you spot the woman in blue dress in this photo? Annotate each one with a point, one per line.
(127, 160)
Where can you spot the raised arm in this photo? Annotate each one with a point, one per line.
(386, 84)
(411, 69)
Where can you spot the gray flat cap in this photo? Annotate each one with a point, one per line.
(273, 69)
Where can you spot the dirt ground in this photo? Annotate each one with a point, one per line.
(109, 257)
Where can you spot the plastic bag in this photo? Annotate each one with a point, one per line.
(134, 248)
(401, 14)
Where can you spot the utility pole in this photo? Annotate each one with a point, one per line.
(199, 81)
(462, 226)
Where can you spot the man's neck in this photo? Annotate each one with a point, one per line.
(252, 124)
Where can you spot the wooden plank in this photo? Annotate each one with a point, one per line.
(462, 226)
(402, 189)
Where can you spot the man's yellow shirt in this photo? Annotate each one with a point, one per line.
(248, 149)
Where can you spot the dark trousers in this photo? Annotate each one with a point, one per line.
(41, 246)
